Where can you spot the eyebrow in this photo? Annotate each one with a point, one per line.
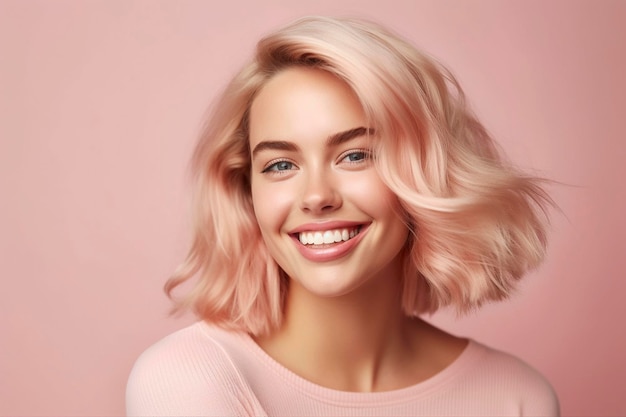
(332, 140)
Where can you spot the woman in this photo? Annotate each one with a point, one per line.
(343, 188)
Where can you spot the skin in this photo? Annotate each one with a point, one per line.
(312, 171)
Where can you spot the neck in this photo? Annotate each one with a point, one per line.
(353, 342)
(366, 319)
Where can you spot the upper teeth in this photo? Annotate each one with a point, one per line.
(327, 236)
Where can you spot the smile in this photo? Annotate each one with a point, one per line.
(328, 241)
(324, 237)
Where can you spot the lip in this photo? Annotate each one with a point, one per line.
(334, 251)
(326, 225)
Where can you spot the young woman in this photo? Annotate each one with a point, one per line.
(343, 188)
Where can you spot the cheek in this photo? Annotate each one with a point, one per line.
(371, 194)
(271, 205)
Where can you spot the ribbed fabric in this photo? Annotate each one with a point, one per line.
(203, 370)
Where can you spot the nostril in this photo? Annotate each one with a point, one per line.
(321, 200)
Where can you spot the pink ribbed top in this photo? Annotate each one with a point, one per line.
(208, 371)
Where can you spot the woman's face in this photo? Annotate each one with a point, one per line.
(325, 215)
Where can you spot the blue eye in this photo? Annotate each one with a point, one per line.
(356, 156)
(279, 166)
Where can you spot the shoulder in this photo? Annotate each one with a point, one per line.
(190, 352)
(515, 380)
(188, 373)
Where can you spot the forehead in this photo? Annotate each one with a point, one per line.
(303, 104)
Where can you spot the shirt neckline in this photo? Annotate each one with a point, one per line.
(470, 355)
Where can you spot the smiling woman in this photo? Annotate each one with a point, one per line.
(322, 184)
(342, 189)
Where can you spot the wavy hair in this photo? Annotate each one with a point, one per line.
(477, 224)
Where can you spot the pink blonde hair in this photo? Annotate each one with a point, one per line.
(477, 225)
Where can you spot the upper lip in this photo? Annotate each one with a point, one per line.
(325, 225)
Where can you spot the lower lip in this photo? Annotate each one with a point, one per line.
(329, 253)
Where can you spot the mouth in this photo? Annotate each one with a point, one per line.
(323, 238)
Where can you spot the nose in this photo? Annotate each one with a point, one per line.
(320, 194)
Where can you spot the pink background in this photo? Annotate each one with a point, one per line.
(100, 103)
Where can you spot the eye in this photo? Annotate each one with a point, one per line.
(356, 156)
(279, 166)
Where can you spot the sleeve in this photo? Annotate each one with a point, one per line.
(540, 399)
(535, 395)
(510, 386)
(182, 378)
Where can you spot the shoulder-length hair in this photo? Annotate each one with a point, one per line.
(477, 224)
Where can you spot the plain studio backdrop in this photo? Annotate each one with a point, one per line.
(100, 105)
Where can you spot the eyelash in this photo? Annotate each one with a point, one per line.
(270, 167)
(366, 155)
